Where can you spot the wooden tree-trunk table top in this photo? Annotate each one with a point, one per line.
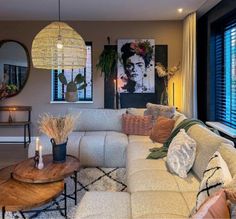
(16, 196)
(52, 172)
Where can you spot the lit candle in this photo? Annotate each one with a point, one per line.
(40, 164)
(37, 143)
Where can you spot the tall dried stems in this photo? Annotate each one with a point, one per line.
(58, 127)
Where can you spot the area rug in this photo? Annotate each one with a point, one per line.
(89, 179)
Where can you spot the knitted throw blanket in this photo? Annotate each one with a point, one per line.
(157, 153)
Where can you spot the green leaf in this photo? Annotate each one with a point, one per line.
(81, 87)
(79, 79)
(62, 78)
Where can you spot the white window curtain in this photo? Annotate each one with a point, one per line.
(189, 77)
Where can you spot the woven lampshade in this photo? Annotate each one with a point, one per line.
(58, 46)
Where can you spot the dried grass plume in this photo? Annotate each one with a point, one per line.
(57, 127)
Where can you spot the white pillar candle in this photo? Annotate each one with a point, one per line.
(40, 164)
(40, 151)
(37, 144)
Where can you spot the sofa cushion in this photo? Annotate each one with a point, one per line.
(103, 148)
(151, 180)
(98, 119)
(189, 184)
(190, 199)
(136, 125)
(92, 150)
(161, 130)
(156, 110)
(139, 150)
(115, 149)
(104, 205)
(145, 165)
(139, 138)
(228, 153)
(158, 205)
(207, 144)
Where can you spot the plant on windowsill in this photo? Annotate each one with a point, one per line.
(71, 94)
(107, 62)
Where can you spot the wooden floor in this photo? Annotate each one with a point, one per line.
(12, 153)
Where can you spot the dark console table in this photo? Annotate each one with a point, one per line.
(13, 123)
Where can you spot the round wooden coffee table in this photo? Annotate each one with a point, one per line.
(19, 196)
(52, 172)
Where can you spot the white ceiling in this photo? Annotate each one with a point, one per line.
(99, 9)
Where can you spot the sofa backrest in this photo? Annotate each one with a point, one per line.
(228, 153)
(207, 143)
(98, 119)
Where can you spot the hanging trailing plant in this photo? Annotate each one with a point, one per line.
(108, 61)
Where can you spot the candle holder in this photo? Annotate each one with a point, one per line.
(40, 164)
(36, 159)
(10, 118)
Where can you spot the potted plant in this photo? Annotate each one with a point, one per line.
(166, 74)
(71, 94)
(58, 130)
(6, 90)
(108, 61)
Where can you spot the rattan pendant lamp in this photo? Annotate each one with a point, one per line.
(58, 46)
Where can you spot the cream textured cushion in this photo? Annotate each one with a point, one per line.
(156, 110)
(104, 205)
(207, 144)
(98, 119)
(181, 154)
(214, 178)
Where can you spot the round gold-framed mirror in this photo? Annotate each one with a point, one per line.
(14, 67)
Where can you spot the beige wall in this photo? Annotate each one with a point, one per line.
(37, 90)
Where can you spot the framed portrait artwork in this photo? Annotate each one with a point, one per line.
(136, 66)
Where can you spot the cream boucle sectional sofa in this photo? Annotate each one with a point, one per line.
(153, 192)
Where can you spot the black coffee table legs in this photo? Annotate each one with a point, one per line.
(3, 212)
(74, 194)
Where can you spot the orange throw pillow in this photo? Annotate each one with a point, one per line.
(136, 125)
(214, 207)
(161, 130)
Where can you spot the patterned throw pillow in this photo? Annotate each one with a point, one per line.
(156, 110)
(181, 154)
(136, 125)
(161, 130)
(215, 177)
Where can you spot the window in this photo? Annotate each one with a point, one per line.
(58, 89)
(225, 72)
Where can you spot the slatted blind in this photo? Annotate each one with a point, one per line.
(225, 72)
